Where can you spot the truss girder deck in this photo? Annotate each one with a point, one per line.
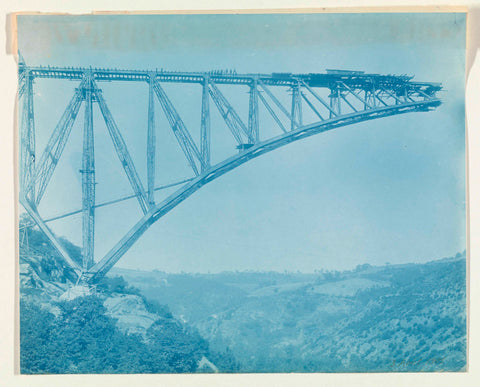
(354, 79)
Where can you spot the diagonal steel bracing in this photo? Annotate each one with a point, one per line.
(333, 113)
(205, 126)
(56, 144)
(343, 97)
(282, 108)
(122, 151)
(272, 113)
(363, 101)
(312, 106)
(376, 96)
(397, 100)
(231, 117)
(179, 129)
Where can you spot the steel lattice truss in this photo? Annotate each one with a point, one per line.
(353, 97)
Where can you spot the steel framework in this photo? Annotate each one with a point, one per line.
(352, 97)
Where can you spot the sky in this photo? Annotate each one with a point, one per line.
(388, 190)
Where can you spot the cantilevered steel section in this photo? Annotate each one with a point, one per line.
(335, 98)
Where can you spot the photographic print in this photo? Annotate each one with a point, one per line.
(242, 193)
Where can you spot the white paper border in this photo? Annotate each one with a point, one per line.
(7, 205)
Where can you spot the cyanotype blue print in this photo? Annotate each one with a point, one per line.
(242, 193)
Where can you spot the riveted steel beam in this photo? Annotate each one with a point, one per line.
(122, 151)
(183, 136)
(56, 143)
(88, 178)
(205, 125)
(151, 143)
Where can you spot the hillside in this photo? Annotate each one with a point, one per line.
(392, 318)
(111, 328)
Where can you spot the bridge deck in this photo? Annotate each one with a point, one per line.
(354, 79)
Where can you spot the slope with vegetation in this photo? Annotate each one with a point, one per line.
(110, 329)
(408, 317)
